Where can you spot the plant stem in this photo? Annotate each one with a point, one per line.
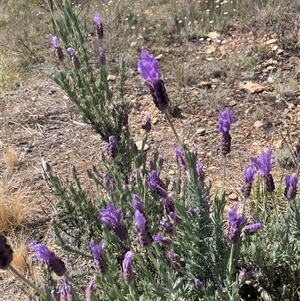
(224, 172)
(24, 279)
(172, 127)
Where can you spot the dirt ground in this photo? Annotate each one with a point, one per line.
(39, 121)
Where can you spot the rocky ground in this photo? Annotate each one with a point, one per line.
(252, 75)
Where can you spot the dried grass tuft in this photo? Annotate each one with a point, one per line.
(12, 158)
(15, 208)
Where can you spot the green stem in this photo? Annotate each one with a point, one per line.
(244, 204)
(230, 263)
(30, 284)
(224, 172)
(172, 127)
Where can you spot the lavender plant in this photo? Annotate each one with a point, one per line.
(141, 241)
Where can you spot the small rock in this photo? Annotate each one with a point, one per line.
(111, 77)
(213, 35)
(139, 145)
(275, 48)
(160, 56)
(233, 196)
(271, 41)
(201, 131)
(251, 87)
(205, 84)
(258, 124)
(171, 172)
(154, 120)
(210, 49)
(278, 144)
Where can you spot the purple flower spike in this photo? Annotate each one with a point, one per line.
(198, 284)
(177, 219)
(140, 220)
(97, 252)
(226, 119)
(58, 51)
(55, 263)
(290, 190)
(235, 224)
(162, 239)
(263, 164)
(175, 259)
(102, 56)
(167, 227)
(161, 160)
(145, 237)
(106, 180)
(98, 20)
(219, 289)
(148, 124)
(137, 203)
(252, 228)
(180, 158)
(75, 60)
(127, 267)
(250, 175)
(112, 217)
(246, 275)
(89, 293)
(157, 185)
(149, 68)
(169, 205)
(112, 148)
(200, 172)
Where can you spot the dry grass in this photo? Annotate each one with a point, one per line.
(12, 158)
(15, 208)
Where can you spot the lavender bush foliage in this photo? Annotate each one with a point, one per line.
(161, 242)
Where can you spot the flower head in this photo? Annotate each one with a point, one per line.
(235, 220)
(110, 215)
(89, 293)
(157, 185)
(137, 203)
(75, 60)
(97, 250)
(200, 172)
(140, 220)
(58, 51)
(98, 20)
(148, 124)
(252, 228)
(263, 163)
(102, 56)
(180, 158)
(198, 284)
(127, 267)
(148, 67)
(112, 148)
(226, 119)
(235, 225)
(55, 263)
(290, 190)
(162, 239)
(250, 175)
